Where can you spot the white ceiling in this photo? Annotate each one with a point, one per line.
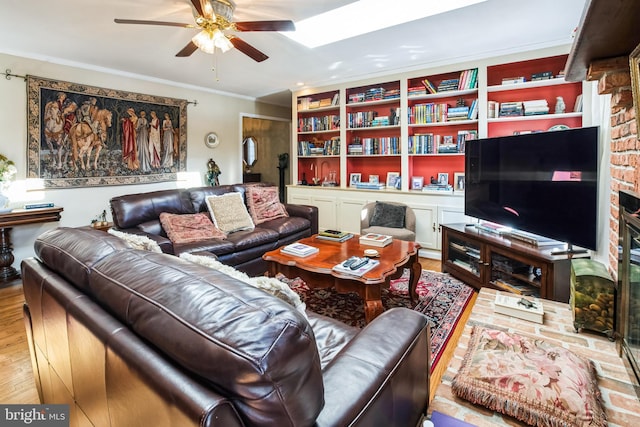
(82, 33)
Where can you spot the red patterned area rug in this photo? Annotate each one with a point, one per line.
(441, 298)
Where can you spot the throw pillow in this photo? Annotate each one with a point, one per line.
(229, 212)
(529, 379)
(388, 215)
(268, 284)
(137, 242)
(188, 228)
(264, 204)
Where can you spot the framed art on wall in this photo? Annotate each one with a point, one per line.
(86, 136)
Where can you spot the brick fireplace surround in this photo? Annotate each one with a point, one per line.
(614, 78)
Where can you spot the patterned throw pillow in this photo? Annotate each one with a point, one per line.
(529, 379)
(264, 204)
(188, 228)
(229, 212)
(137, 242)
(388, 215)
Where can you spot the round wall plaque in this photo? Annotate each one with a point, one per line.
(211, 140)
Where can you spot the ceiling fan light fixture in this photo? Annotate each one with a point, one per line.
(209, 40)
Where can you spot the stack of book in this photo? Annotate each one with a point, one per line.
(530, 309)
(448, 84)
(535, 106)
(457, 113)
(513, 80)
(373, 239)
(370, 185)
(299, 249)
(371, 264)
(509, 109)
(334, 235)
(437, 187)
(545, 75)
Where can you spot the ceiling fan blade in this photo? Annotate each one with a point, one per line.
(198, 6)
(187, 50)
(247, 49)
(165, 23)
(265, 26)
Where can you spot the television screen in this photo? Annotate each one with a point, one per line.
(544, 183)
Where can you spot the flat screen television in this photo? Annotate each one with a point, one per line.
(544, 183)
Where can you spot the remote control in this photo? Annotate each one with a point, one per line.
(359, 263)
(348, 263)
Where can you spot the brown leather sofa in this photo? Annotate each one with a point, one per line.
(140, 214)
(135, 338)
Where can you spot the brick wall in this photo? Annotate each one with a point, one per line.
(614, 78)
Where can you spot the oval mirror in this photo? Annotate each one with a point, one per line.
(249, 151)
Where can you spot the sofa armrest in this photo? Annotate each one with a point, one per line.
(305, 211)
(381, 378)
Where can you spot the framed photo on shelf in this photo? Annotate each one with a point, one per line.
(354, 179)
(443, 178)
(392, 177)
(458, 179)
(634, 64)
(417, 182)
(374, 179)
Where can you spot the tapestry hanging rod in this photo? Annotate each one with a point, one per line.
(7, 75)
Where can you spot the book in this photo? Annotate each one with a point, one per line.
(334, 235)
(299, 249)
(373, 239)
(530, 309)
(40, 205)
(370, 265)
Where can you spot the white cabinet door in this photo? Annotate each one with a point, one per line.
(426, 226)
(327, 212)
(349, 215)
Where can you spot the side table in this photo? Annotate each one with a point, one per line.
(14, 218)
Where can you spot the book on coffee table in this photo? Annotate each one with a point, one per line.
(299, 249)
(373, 239)
(370, 265)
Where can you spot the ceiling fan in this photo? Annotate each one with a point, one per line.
(213, 18)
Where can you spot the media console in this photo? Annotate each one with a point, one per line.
(485, 259)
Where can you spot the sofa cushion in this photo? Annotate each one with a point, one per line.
(187, 228)
(75, 250)
(388, 215)
(268, 284)
(253, 347)
(229, 213)
(529, 379)
(264, 203)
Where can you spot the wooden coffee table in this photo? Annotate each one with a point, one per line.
(316, 270)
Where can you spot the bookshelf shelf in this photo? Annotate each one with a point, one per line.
(406, 123)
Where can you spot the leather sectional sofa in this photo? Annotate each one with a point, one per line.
(135, 338)
(140, 214)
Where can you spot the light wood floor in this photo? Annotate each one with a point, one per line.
(16, 375)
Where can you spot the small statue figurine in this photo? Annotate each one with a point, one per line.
(213, 173)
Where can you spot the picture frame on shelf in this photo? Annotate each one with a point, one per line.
(458, 179)
(374, 179)
(634, 64)
(354, 179)
(392, 177)
(443, 178)
(417, 182)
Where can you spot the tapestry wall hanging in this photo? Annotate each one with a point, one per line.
(85, 136)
